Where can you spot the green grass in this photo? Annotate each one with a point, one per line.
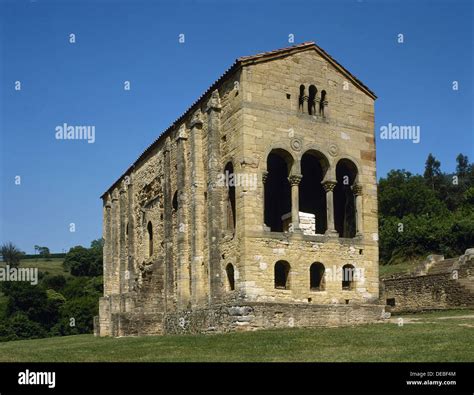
(54, 266)
(430, 339)
(404, 266)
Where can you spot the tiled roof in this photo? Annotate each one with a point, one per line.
(239, 62)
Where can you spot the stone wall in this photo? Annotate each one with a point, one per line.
(254, 316)
(430, 292)
(171, 193)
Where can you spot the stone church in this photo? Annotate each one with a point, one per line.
(256, 208)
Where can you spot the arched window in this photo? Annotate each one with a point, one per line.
(322, 102)
(348, 277)
(312, 100)
(316, 277)
(150, 239)
(301, 98)
(312, 197)
(230, 198)
(344, 201)
(230, 276)
(282, 271)
(277, 189)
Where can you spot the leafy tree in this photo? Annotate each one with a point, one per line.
(6, 332)
(432, 171)
(77, 316)
(83, 262)
(11, 254)
(97, 245)
(54, 282)
(44, 252)
(415, 219)
(402, 193)
(462, 167)
(24, 328)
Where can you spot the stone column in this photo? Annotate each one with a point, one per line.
(123, 244)
(183, 280)
(357, 190)
(329, 186)
(115, 243)
(107, 235)
(295, 180)
(214, 197)
(198, 273)
(130, 274)
(168, 227)
(264, 180)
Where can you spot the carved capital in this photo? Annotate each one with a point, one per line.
(329, 185)
(114, 196)
(214, 102)
(182, 133)
(167, 147)
(295, 179)
(107, 202)
(196, 120)
(357, 189)
(123, 186)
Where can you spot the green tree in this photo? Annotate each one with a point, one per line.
(432, 171)
(11, 254)
(44, 252)
(83, 261)
(402, 193)
(462, 166)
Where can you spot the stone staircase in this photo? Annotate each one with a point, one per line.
(443, 266)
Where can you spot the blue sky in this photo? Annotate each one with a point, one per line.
(137, 41)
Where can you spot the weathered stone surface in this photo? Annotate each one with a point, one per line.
(438, 284)
(174, 236)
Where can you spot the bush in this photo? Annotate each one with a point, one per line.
(77, 316)
(54, 282)
(24, 328)
(82, 261)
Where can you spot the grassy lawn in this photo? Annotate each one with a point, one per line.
(399, 267)
(428, 338)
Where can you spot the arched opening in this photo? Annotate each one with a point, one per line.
(312, 100)
(301, 98)
(230, 198)
(344, 201)
(277, 189)
(230, 276)
(175, 201)
(316, 277)
(312, 197)
(348, 282)
(322, 102)
(150, 239)
(282, 271)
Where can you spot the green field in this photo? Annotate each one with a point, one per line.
(435, 337)
(404, 266)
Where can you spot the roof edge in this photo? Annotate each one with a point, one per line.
(237, 65)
